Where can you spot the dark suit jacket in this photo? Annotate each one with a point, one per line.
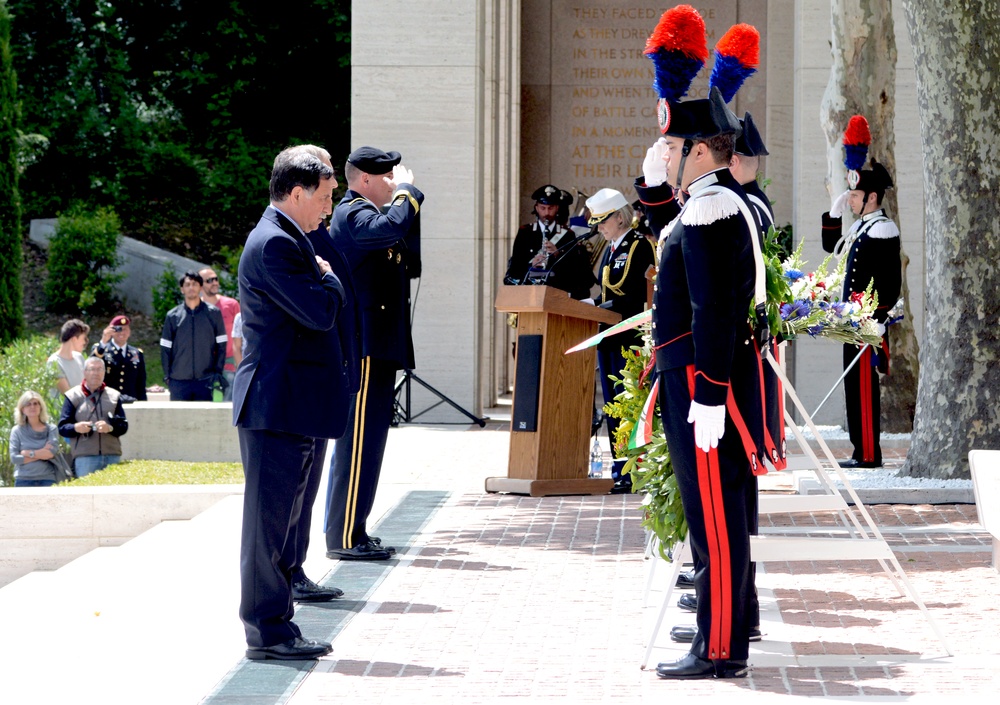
(349, 322)
(382, 248)
(294, 376)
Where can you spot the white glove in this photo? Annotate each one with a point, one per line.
(709, 424)
(654, 169)
(879, 329)
(839, 204)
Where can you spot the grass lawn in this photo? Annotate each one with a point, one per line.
(163, 472)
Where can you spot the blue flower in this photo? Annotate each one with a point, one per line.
(815, 330)
(794, 275)
(796, 309)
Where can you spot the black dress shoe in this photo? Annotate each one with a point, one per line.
(622, 487)
(852, 463)
(364, 552)
(684, 633)
(376, 543)
(688, 602)
(306, 590)
(297, 649)
(691, 667)
(685, 580)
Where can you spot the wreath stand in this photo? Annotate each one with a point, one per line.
(865, 543)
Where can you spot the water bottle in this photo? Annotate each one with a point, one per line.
(596, 461)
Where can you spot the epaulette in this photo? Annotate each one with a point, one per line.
(403, 195)
(883, 230)
(139, 349)
(705, 210)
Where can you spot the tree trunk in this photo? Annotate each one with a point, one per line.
(863, 81)
(957, 56)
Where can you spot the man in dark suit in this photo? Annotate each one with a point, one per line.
(373, 226)
(291, 388)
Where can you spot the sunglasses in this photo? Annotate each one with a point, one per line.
(211, 280)
(32, 403)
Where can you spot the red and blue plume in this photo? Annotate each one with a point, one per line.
(857, 137)
(678, 50)
(737, 55)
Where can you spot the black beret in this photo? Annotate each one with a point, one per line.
(374, 161)
(548, 195)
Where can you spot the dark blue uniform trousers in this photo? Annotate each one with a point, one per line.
(714, 492)
(278, 468)
(357, 457)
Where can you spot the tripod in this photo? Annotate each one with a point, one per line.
(401, 408)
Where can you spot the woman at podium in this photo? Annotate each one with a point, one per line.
(622, 277)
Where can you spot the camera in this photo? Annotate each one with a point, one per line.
(116, 329)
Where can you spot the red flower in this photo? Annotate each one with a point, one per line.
(858, 297)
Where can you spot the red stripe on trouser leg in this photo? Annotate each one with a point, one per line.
(717, 540)
(749, 447)
(865, 384)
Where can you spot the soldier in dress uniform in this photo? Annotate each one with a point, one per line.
(707, 278)
(659, 201)
(547, 252)
(124, 364)
(623, 290)
(872, 249)
(376, 228)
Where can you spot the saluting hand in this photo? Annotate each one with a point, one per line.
(401, 175)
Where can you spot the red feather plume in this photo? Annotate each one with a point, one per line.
(742, 42)
(680, 29)
(857, 132)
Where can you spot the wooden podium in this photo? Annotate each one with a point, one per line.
(553, 394)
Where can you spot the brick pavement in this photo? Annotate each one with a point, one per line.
(506, 596)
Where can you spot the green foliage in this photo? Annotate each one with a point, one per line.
(166, 295)
(229, 270)
(649, 465)
(22, 367)
(163, 472)
(11, 314)
(171, 115)
(776, 283)
(83, 254)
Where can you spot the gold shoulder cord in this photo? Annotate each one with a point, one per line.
(606, 274)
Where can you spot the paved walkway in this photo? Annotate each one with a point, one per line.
(495, 597)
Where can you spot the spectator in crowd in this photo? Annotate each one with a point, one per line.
(93, 420)
(192, 344)
(34, 442)
(236, 336)
(124, 363)
(230, 308)
(67, 361)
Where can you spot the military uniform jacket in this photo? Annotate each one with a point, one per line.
(382, 248)
(704, 286)
(570, 269)
(761, 206)
(623, 283)
(872, 246)
(124, 370)
(659, 203)
(293, 377)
